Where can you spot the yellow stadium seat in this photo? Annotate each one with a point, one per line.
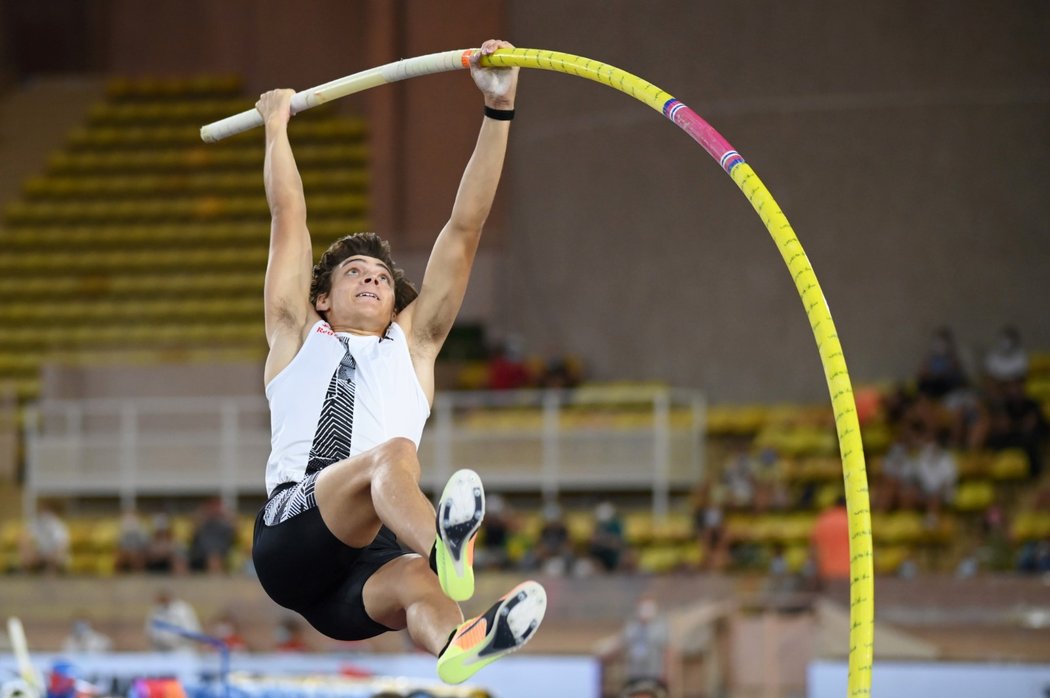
(11, 534)
(182, 528)
(1038, 387)
(974, 495)
(105, 535)
(657, 559)
(1011, 464)
(473, 375)
(105, 564)
(876, 437)
(815, 468)
(741, 528)
(83, 563)
(638, 527)
(245, 532)
(1031, 525)
(796, 557)
(898, 527)
(530, 523)
(676, 527)
(827, 494)
(580, 525)
(80, 535)
(766, 528)
(888, 558)
(796, 528)
(691, 555)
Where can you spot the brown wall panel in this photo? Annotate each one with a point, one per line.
(905, 141)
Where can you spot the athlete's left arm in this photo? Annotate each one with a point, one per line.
(429, 318)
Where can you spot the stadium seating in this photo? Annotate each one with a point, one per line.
(140, 243)
(140, 237)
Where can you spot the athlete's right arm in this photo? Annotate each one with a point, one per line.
(286, 292)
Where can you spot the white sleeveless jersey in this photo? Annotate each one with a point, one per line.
(341, 395)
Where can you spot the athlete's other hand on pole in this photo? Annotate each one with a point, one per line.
(275, 105)
(497, 84)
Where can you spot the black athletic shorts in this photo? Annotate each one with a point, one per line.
(304, 567)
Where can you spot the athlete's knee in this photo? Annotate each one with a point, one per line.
(398, 453)
(398, 447)
(416, 574)
(409, 577)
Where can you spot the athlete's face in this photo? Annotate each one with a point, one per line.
(362, 290)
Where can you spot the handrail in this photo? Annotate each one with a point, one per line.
(596, 439)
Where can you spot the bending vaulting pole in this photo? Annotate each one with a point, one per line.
(862, 609)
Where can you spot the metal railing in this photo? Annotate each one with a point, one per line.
(546, 441)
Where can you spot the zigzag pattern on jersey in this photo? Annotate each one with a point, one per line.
(291, 501)
(336, 423)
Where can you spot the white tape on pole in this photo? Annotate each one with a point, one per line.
(341, 87)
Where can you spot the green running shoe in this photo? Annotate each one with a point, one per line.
(459, 515)
(502, 629)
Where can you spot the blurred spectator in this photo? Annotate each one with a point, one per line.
(645, 639)
(45, 542)
(553, 553)
(709, 526)
(778, 565)
(783, 582)
(1014, 420)
(496, 529)
(132, 543)
(226, 627)
(962, 412)
(1034, 555)
(645, 688)
(559, 373)
(1007, 360)
(164, 553)
(84, 639)
(171, 610)
(738, 476)
(936, 474)
(289, 635)
(908, 568)
(607, 543)
(506, 367)
(929, 412)
(643, 646)
(213, 538)
(770, 481)
(896, 486)
(941, 370)
(992, 550)
(830, 543)
(871, 408)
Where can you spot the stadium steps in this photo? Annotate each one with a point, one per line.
(136, 237)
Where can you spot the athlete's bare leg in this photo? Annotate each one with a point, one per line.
(378, 487)
(405, 593)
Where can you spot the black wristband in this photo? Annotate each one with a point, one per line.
(499, 114)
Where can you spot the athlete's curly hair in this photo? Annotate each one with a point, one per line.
(369, 245)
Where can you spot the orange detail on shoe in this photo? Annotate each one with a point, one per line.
(470, 551)
(465, 58)
(472, 635)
